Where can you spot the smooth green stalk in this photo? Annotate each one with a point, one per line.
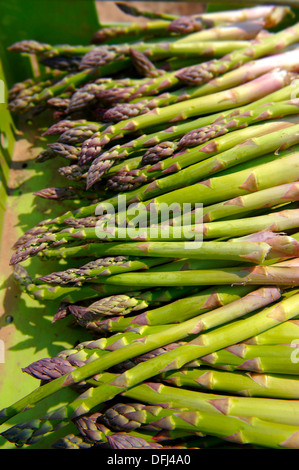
(274, 359)
(249, 384)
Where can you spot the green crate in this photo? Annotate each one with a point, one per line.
(26, 330)
(29, 334)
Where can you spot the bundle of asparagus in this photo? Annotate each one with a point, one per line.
(182, 260)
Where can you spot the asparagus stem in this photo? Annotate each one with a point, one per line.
(248, 72)
(178, 311)
(230, 150)
(203, 345)
(250, 384)
(261, 322)
(100, 267)
(205, 72)
(198, 106)
(123, 151)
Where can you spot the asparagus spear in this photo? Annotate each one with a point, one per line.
(70, 80)
(250, 252)
(259, 275)
(156, 27)
(287, 60)
(100, 56)
(270, 197)
(273, 359)
(177, 415)
(250, 384)
(130, 416)
(264, 169)
(270, 14)
(100, 267)
(237, 147)
(282, 334)
(123, 151)
(65, 294)
(276, 222)
(205, 72)
(198, 106)
(262, 359)
(236, 121)
(234, 31)
(134, 11)
(230, 185)
(123, 304)
(264, 175)
(202, 345)
(178, 311)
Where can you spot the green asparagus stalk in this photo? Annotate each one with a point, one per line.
(178, 311)
(205, 72)
(261, 359)
(285, 333)
(228, 151)
(100, 267)
(123, 151)
(247, 72)
(276, 222)
(236, 121)
(98, 56)
(270, 197)
(250, 384)
(273, 359)
(233, 31)
(235, 185)
(250, 252)
(65, 294)
(265, 174)
(258, 275)
(270, 14)
(157, 27)
(259, 247)
(133, 11)
(67, 360)
(224, 336)
(175, 359)
(136, 414)
(102, 55)
(124, 304)
(260, 321)
(198, 106)
(184, 410)
(71, 80)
